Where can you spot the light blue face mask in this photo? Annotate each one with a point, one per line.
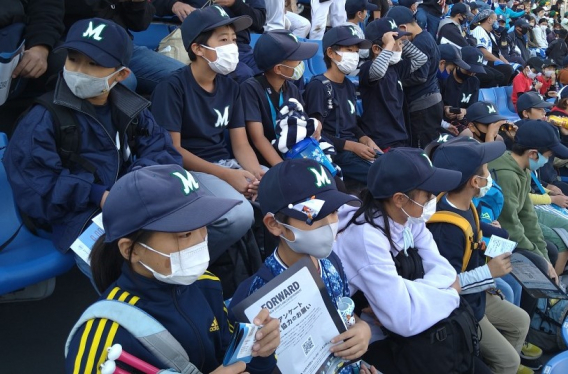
(535, 165)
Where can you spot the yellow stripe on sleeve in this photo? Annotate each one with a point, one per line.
(82, 344)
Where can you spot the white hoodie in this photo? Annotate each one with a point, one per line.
(402, 306)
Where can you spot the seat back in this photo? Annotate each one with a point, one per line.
(509, 92)
(153, 35)
(9, 218)
(316, 63)
(502, 104)
(253, 39)
(565, 331)
(557, 365)
(487, 94)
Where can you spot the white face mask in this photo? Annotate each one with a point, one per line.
(483, 190)
(548, 73)
(298, 71)
(187, 265)
(227, 58)
(349, 62)
(531, 75)
(317, 242)
(395, 58)
(543, 27)
(86, 86)
(428, 211)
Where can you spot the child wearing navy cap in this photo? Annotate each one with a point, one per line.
(503, 338)
(111, 127)
(357, 11)
(201, 108)
(153, 256)
(281, 57)
(331, 98)
(299, 200)
(393, 60)
(388, 229)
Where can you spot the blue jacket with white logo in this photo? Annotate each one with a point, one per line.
(195, 315)
(66, 198)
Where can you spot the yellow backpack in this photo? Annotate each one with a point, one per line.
(474, 240)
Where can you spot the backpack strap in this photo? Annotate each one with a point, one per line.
(151, 333)
(67, 134)
(473, 242)
(329, 93)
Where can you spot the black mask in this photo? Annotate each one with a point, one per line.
(461, 75)
(524, 30)
(481, 135)
(463, 21)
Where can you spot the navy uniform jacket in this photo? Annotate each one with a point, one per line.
(66, 198)
(195, 315)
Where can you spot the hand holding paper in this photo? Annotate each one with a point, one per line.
(268, 337)
(497, 246)
(500, 265)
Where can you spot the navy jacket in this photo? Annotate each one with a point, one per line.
(65, 198)
(195, 315)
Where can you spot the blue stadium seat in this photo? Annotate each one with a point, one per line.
(316, 63)
(502, 103)
(153, 35)
(28, 259)
(565, 331)
(487, 94)
(253, 39)
(557, 365)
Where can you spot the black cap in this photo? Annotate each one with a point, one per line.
(460, 8)
(501, 18)
(275, 46)
(379, 27)
(406, 169)
(302, 189)
(474, 5)
(474, 58)
(565, 61)
(483, 112)
(209, 18)
(536, 63)
(344, 36)
(548, 62)
(540, 134)
(102, 40)
(521, 22)
(354, 6)
(452, 54)
(407, 3)
(401, 15)
(466, 155)
(530, 100)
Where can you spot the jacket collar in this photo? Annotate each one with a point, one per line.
(127, 103)
(146, 288)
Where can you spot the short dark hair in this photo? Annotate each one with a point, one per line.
(201, 39)
(353, 15)
(326, 58)
(462, 186)
(521, 149)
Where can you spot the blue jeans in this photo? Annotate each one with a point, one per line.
(151, 67)
(510, 288)
(352, 166)
(427, 21)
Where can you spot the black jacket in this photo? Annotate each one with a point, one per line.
(135, 16)
(43, 18)
(557, 50)
(516, 40)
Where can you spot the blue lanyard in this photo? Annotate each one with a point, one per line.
(272, 109)
(537, 182)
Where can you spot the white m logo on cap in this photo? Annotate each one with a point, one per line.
(491, 109)
(94, 33)
(321, 176)
(222, 11)
(222, 119)
(480, 59)
(465, 99)
(443, 138)
(188, 182)
(393, 24)
(353, 31)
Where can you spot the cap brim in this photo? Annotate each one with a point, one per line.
(361, 43)
(198, 213)
(544, 104)
(478, 69)
(239, 23)
(493, 150)
(333, 201)
(489, 119)
(441, 180)
(461, 64)
(305, 51)
(96, 54)
(560, 151)
(401, 34)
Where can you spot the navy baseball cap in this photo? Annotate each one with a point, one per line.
(452, 54)
(539, 134)
(163, 198)
(501, 18)
(273, 47)
(521, 22)
(483, 112)
(466, 155)
(460, 8)
(343, 36)
(474, 58)
(548, 62)
(354, 6)
(379, 27)
(405, 169)
(407, 3)
(535, 63)
(530, 100)
(401, 15)
(209, 18)
(302, 189)
(102, 40)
